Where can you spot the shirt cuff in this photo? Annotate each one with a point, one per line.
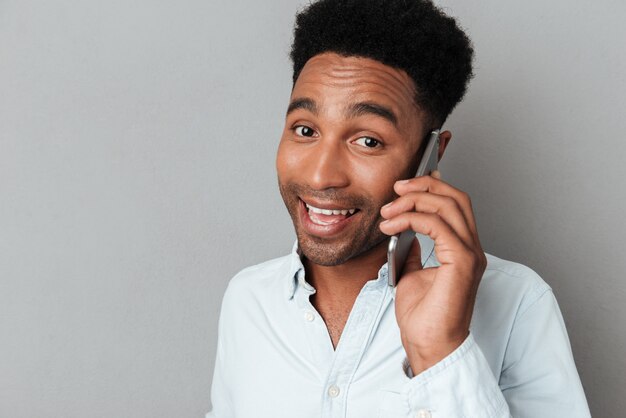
(460, 385)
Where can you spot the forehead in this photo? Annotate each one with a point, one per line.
(329, 78)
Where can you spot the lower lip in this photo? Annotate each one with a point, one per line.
(323, 231)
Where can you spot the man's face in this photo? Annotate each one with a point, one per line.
(351, 131)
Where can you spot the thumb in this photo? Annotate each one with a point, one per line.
(414, 259)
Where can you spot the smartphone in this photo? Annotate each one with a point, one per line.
(400, 244)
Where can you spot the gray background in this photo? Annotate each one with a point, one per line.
(137, 143)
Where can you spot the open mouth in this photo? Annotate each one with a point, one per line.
(328, 215)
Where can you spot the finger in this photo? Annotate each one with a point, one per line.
(448, 245)
(436, 174)
(414, 259)
(444, 206)
(436, 186)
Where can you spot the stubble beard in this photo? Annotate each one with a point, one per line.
(333, 252)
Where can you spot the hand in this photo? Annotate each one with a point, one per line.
(434, 305)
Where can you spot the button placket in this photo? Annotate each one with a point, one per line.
(309, 316)
(314, 330)
(423, 413)
(350, 350)
(333, 391)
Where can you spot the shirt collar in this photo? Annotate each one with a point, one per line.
(296, 268)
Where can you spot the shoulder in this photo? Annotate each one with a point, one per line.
(259, 274)
(511, 282)
(507, 292)
(507, 284)
(257, 282)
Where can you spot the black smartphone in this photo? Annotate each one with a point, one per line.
(399, 245)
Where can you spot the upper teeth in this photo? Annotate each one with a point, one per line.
(330, 211)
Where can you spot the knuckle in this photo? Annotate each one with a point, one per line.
(433, 218)
(428, 221)
(412, 196)
(408, 219)
(451, 204)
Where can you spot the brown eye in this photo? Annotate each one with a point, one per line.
(368, 142)
(304, 131)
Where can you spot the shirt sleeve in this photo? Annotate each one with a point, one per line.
(538, 379)
(460, 385)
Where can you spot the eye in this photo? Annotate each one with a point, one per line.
(302, 130)
(366, 141)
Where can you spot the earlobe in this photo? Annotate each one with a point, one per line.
(444, 140)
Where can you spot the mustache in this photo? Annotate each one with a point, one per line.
(330, 194)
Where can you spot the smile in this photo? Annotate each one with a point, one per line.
(329, 211)
(325, 221)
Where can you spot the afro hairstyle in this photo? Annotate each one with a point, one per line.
(411, 35)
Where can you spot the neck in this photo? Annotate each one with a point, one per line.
(346, 280)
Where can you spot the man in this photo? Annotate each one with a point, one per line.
(319, 332)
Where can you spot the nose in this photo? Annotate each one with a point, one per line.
(327, 166)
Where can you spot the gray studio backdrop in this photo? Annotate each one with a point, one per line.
(137, 143)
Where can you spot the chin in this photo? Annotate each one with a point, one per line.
(331, 254)
(324, 253)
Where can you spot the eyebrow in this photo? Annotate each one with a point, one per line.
(303, 103)
(353, 111)
(366, 108)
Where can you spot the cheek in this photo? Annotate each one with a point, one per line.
(378, 178)
(286, 160)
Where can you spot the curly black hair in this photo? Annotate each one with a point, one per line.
(410, 35)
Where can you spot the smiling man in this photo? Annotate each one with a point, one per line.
(319, 333)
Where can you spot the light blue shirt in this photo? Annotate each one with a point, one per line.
(275, 357)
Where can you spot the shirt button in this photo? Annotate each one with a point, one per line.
(333, 391)
(423, 413)
(308, 315)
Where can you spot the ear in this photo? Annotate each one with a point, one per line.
(444, 140)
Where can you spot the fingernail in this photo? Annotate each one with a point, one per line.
(387, 205)
(402, 182)
(385, 222)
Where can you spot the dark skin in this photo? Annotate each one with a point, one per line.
(337, 153)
